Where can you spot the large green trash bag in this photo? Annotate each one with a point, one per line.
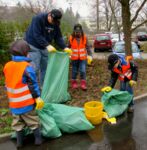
(68, 119)
(49, 127)
(116, 102)
(56, 79)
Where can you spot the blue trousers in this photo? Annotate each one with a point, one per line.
(39, 61)
(125, 86)
(79, 66)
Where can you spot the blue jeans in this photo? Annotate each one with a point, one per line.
(39, 61)
(125, 86)
(79, 65)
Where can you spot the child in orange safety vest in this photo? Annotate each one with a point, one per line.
(81, 55)
(125, 71)
(23, 92)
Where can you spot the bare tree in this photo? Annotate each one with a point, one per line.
(38, 5)
(107, 12)
(128, 21)
(108, 15)
(115, 9)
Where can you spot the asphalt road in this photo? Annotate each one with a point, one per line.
(130, 133)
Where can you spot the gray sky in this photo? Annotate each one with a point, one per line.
(77, 5)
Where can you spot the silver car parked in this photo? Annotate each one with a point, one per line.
(119, 48)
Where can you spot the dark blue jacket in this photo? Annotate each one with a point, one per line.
(40, 33)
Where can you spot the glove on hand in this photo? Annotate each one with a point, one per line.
(68, 50)
(39, 103)
(89, 60)
(51, 48)
(106, 89)
(132, 82)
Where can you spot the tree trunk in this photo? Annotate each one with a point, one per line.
(127, 27)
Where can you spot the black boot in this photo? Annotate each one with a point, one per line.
(37, 135)
(19, 135)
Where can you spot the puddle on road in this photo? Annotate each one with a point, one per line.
(130, 133)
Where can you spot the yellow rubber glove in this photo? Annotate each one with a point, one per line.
(89, 60)
(106, 89)
(51, 48)
(68, 50)
(39, 103)
(132, 82)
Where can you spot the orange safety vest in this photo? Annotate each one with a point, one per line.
(78, 49)
(18, 93)
(126, 72)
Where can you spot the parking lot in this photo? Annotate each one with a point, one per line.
(104, 55)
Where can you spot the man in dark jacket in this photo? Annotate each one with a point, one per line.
(125, 71)
(43, 29)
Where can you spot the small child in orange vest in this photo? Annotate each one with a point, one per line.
(81, 55)
(125, 71)
(23, 92)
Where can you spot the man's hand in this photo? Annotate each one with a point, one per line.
(39, 103)
(106, 89)
(132, 83)
(51, 48)
(68, 50)
(89, 60)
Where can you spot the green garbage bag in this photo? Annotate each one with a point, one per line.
(68, 119)
(56, 79)
(49, 127)
(116, 102)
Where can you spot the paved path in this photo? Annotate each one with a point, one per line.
(130, 133)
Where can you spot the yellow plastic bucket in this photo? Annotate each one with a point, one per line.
(94, 112)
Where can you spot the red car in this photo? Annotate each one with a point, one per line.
(102, 42)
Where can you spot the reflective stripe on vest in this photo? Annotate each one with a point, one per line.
(20, 99)
(79, 49)
(18, 93)
(126, 72)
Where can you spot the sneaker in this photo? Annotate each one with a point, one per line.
(74, 84)
(83, 85)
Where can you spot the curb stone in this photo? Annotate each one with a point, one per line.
(140, 97)
(7, 136)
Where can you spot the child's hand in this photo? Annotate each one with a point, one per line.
(39, 103)
(89, 60)
(132, 83)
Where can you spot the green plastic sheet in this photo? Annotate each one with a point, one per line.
(68, 119)
(55, 87)
(116, 102)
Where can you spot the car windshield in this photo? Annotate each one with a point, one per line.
(120, 48)
(141, 33)
(115, 36)
(100, 38)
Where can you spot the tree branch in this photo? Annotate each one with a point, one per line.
(137, 12)
(145, 21)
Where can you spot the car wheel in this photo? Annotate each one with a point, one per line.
(110, 50)
(95, 50)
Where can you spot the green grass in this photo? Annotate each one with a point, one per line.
(5, 121)
(1, 75)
